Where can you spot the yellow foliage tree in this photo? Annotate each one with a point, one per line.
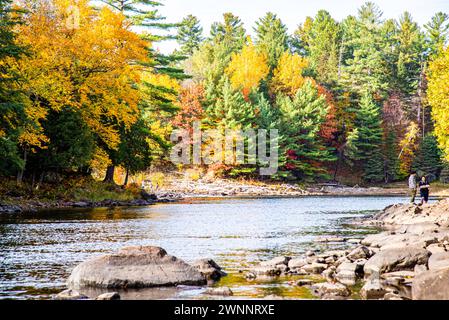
(438, 95)
(288, 76)
(409, 145)
(247, 68)
(84, 60)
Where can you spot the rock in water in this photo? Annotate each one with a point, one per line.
(431, 285)
(109, 296)
(223, 291)
(209, 268)
(70, 294)
(135, 267)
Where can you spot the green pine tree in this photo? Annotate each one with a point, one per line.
(428, 158)
(302, 153)
(12, 102)
(437, 32)
(271, 37)
(368, 144)
(189, 35)
(391, 167)
(365, 69)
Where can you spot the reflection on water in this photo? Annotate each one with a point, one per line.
(38, 250)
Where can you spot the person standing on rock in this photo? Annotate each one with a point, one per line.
(412, 186)
(424, 190)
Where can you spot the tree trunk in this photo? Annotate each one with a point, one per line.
(109, 174)
(126, 178)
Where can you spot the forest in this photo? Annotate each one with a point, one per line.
(83, 91)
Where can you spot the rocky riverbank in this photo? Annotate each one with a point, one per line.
(186, 188)
(409, 259)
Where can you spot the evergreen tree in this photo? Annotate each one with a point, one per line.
(365, 68)
(368, 144)
(324, 47)
(190, 35)
(271, 37)
(391, 167)
(229, 34)
(301, 151)
(444, 175)
(428, 158)
(409, 56)
(12, 102)
(437, 32)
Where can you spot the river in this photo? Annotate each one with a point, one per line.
(38, 250)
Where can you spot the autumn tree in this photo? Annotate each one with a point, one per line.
(247, 68)
(438, 95)
(73, 69)
(288, 75)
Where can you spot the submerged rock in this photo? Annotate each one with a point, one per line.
(109, 296)
(70, 294)
(222, 291)
(135, 267)
(209, 268)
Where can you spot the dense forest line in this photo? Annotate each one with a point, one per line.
(82, 91)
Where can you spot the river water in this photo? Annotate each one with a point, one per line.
(38, 250)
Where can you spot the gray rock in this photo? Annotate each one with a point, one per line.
(70, 294)
(330, 289)
(275, 261)
(361, 252)
(135, 267)
(373, 290)
(347, 273)
(314, 268)
(329, 273)
(222, 291)
(392, 296)
(431, 285)
(109, 296)
(209, 268)
(297, 263)
(396, 259)
(266, 271)
(439, 260)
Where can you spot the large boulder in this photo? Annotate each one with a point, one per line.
(431, 285)
(326, 289)
(395, 259)
(135, 267)
(373, 290)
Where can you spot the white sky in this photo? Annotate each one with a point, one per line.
(291, 12)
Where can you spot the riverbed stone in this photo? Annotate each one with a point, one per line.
(221, 291)
(70, 294)
(329, 273)
(396, 259)
(330, 289)
(347, 273)
(431, 285)
(109, 296)
(436, 248)
(275, 261)
(266, 271)
(316, 268)
(135, 267)
(209, 268)
(297, 263)
(361, 252)
(373, 290)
